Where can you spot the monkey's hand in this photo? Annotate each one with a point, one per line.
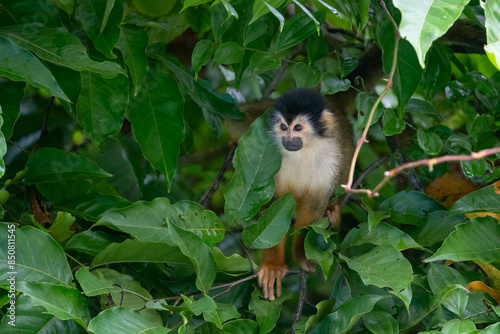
(268, 274)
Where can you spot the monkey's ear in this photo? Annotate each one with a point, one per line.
(327, 119)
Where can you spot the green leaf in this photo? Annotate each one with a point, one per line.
(456, 326)
(101, 105)
(32, 261)
(133, 250)
(316, 47)
(61, 301)
(264, 61)
(298, 28)
(474, 168)
(60, 228)
(202, 53)
(228, 53)
(462, 244)
(311, 16)
(125, 321)
(306, 76)
(393, 124)
(52, 165)
(221, 314)
(204, 304)
(330, 84)
(94, 285)
(382, 234)
(232, 264)
(147, 221)
(59, 47)
(410, 207)
(18, 64)
(430, 142)
(346, 64)
(156, 118)
(364, 104)
(266, 312)
(240, 326)
(435, 228)
(385, 267)
(11, 95)
(256, 161)
(201, 92)
(424, 22)
(66, 5)
(484, 199)
(408, 72)
(440, 277)
(491, 329)
(34, 319)
(132, 44)
(342, 320)
(380, 322)
(492, 18)
(320, 250)
(89, 242)
(200, 255)
(276, 14)
(92, 15)
(272, 225)
(262, 7)
(191, 3)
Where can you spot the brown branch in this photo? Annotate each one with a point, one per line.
(362, 140)
(272, 86)
(426, 162)
(302, 298)
(207, 196)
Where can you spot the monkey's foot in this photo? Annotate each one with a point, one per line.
(306, 264)
(333, 214)
(268, 274)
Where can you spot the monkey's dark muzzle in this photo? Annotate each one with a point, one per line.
(292, 145)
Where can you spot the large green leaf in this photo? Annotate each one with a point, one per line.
(492, 16)
(342, 320)
(484, 199)
(52, 165)
(222, 313)
(440, 277)
(34, 319)
(425, 21)
(384, 266)
(11, 94)
(201, 92)
(82, 197)
(262, 7)
(147, 221)
(202, 53)
(228, 53)
(101, 105)
(133, 250)
(380, 322)
(306, 76)
(89, 242)
(298, 28)
(256, 162)
(94, 285)
(272, 225)
(463, 245)
(61, 301)
(320, 249)
(240, 326)
(435, 228)
(66, 5)
(125, 321)
(408, 73)
(39, 258)
(101, 25)
(266, 312)
(59, 47)
(18, 64)
(132, 44)
(199, 253)
(410, 207)
(156, 118)
(382, 234)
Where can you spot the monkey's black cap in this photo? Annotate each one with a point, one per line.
(302, 101)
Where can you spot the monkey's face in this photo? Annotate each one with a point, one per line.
(294, 134)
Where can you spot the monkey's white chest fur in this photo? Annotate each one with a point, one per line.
(313, 169)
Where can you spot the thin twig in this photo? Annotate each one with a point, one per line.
(246, 252)
(228, 160)
(349, 33)
(302, 298)
(362, 140)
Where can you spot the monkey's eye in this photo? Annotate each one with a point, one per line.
(297, 127)
(283, 127)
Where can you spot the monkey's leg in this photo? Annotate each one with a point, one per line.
(273, 269)
(307, 213)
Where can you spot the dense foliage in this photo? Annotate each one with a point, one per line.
(112, 130)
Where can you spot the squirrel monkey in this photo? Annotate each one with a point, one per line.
(316, 143)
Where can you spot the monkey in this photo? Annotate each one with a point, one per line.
(316, 143)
